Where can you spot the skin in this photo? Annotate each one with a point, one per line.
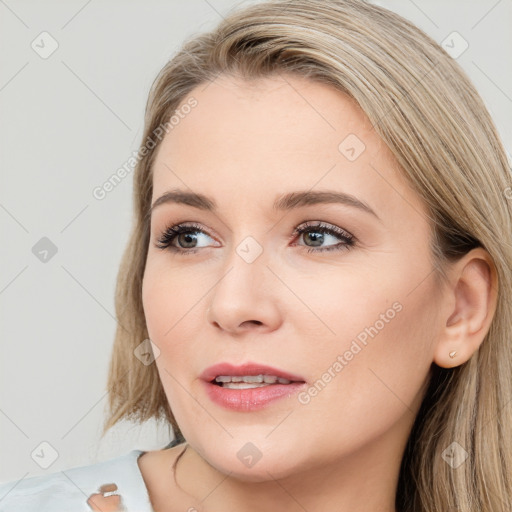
(243, 145)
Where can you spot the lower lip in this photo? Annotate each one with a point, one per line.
(251, 399)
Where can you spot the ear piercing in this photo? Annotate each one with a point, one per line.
(453, 354)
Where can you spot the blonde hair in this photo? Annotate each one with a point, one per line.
(432, 119)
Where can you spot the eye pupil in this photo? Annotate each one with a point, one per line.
(316, 236)
(190, 238)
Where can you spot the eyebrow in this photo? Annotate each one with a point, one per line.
(284, 202)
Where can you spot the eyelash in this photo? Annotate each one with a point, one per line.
(170, 233)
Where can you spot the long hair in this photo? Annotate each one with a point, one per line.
(428, 113)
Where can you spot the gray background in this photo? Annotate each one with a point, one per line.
(68, 122)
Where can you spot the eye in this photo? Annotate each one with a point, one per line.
(318, 233)
(187, 236)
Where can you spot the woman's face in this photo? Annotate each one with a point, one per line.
(354, 320)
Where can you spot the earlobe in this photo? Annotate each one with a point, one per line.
(474, 289)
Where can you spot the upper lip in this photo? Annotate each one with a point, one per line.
(246, 369)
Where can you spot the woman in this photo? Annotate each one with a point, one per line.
(317, 280)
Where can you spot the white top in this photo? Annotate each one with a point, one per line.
(69, 490)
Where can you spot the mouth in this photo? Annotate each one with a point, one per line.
(249, 381)
(250, 374)
(249, 387)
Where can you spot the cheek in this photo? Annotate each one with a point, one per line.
(373, 371)
(168, 299)
(171, 299)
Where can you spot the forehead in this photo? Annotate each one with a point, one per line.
(259, 138)
(279, 112)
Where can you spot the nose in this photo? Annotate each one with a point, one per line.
(246, 297)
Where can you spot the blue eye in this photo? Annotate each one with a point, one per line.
(318, 233)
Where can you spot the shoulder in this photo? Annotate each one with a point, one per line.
(71, 489)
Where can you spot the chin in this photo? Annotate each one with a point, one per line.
(251, 464)
(260, 472)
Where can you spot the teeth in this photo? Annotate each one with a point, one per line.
(251, 379)
(244, 385)
(222, 378)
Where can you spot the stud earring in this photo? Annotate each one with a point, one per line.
(453, 354)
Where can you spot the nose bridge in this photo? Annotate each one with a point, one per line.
(248, 236)
(247, 260)
(244, 291)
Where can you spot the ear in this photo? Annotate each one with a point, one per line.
(472, 294)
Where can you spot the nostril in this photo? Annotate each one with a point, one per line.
(257, 322)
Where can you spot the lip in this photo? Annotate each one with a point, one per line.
(247, 369)
(247, 400)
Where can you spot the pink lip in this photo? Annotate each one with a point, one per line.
(246, 369)
(249, 399)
